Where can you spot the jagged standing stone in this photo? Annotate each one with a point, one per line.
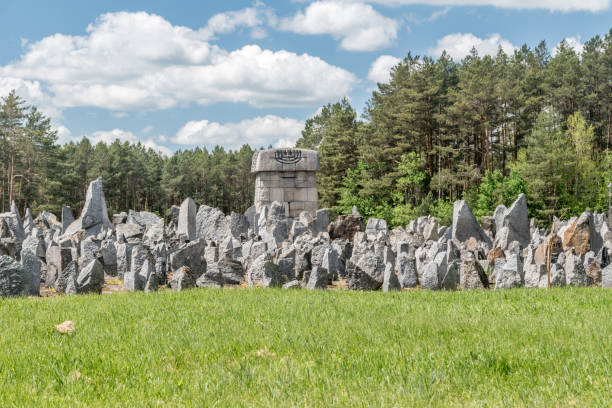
(557, 275)
(318, 278)
(430, 279)
(130, 231)
(211, 224)
(13, 227)
(91, 278)
(593, 271)
(472, 276)
(321, 221)
(13, 279)
(297, 228)
(390, 281)
(182, 279)
(71, 271)
(32, 267)
(510, 275)
(191, 255)
(358, 279)
(238, 225)
(606, 277)
(574, 270)
(134, 280)
(376, 226)
(160, 254)
(498, 215)
(286, 263)
(71, 286)
(251, 216)
(152, 279)
(124, 258)
(212, 278)
(465, 225)
(516, 221)
(28, 222)
(108, 254)
(95, 214)
(535, 276)
(450, 281)
(155, 233)
(430, 232)
(276, 224)
(345, 227)
(67, 217)
(144, 219)
(263, 272)
(90, 250)
(581, 235)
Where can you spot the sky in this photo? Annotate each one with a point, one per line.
(176, 75)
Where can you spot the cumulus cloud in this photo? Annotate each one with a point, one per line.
(459, 45)
(381, 68)
(552, 5)
(32, 92)
(572, 42)
(251, 17)
(64, 135)
(357, 25)
(139, 61)
(259, 131)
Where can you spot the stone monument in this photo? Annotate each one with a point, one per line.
(288, 176)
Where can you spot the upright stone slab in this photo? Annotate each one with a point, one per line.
(187, 219)
(288, 176)
(67, 217)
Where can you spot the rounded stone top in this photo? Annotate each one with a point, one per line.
(290, 159)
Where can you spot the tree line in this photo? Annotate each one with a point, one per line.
(483, 129)
(38, 173)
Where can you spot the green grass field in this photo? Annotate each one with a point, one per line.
(298, 348)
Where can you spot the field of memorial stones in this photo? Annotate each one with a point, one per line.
(202, 247)
(438, 336)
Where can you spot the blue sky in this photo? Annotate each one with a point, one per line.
(175, 75)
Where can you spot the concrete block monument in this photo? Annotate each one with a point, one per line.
(288, 176)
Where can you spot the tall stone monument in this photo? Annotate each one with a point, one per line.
(288, 176)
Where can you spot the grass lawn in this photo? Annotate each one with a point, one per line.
(279, 348)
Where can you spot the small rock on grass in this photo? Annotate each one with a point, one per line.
(65, 328)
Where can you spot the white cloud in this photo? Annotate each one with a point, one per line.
(139, 61)
(31, 92)
(150, 143)
(381, 68)
(359, 26)
(252, 17)
(259, 131)
(109, 136)
(572, 42)
(64, 135)
(552, 5)
(459, 45)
